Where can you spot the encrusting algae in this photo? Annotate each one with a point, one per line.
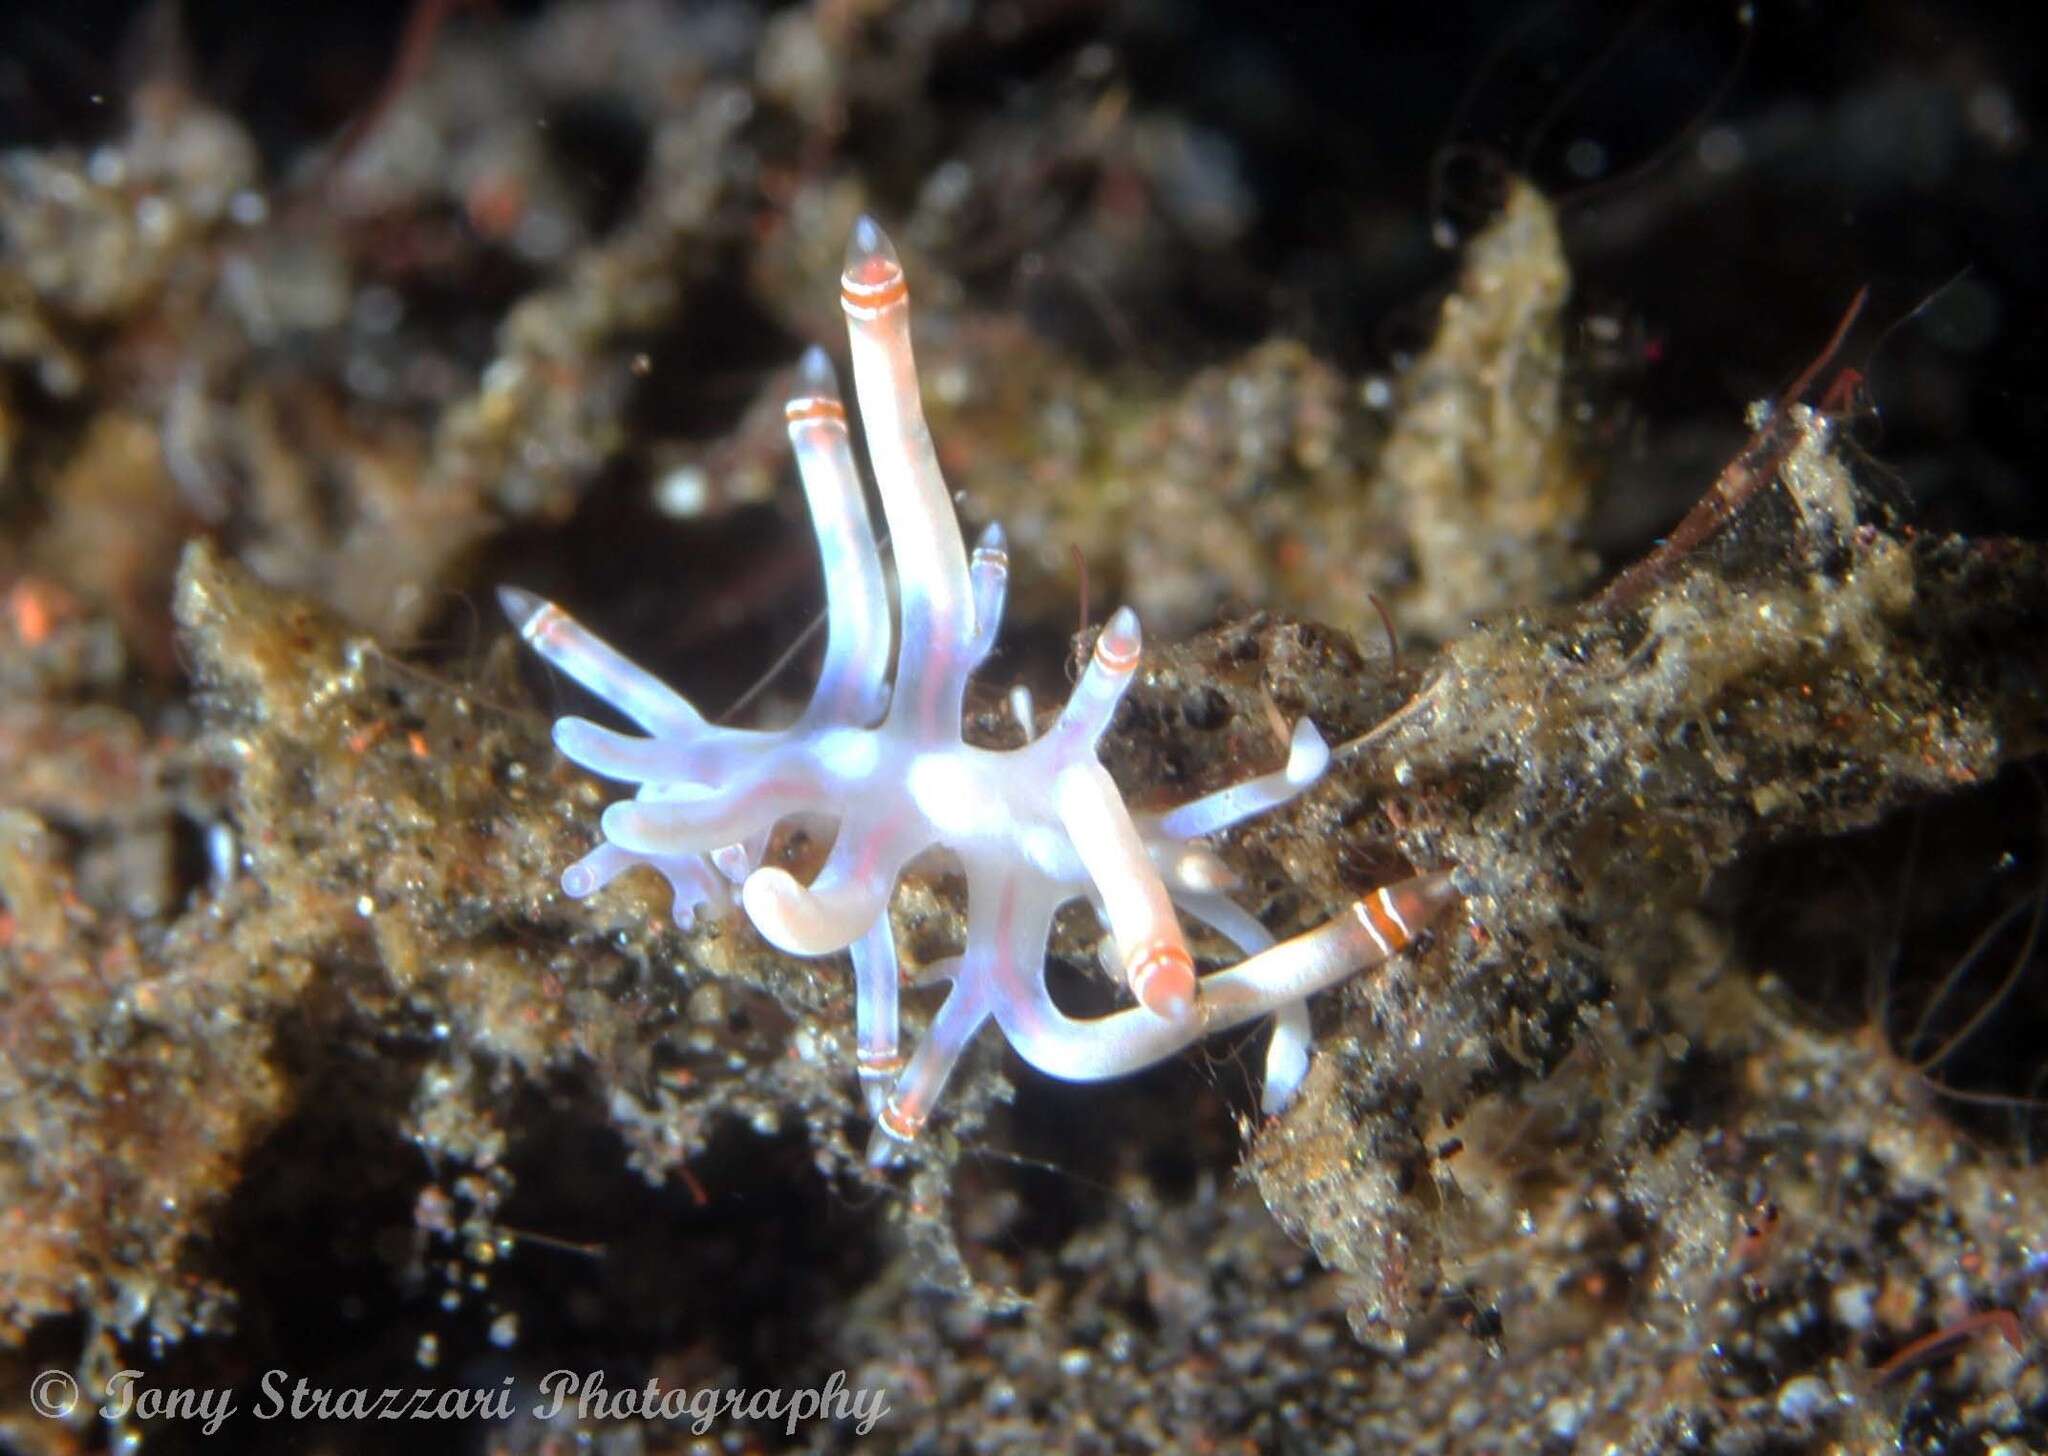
(303, 1051)
(1487, 1132)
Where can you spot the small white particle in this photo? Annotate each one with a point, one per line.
(106, 167)
(951, 383)
(1803, 1398)
(1564, 1418)
(683, 492)
(221, 856)
(1852, 1305)
(503, 376)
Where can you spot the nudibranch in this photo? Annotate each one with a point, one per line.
(1032, 828)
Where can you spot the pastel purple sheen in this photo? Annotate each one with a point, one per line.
(519, 605)
(814, 370)
(869, 243)
(1120, 634)
(1032, 828)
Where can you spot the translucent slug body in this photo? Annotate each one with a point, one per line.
(1033, 827)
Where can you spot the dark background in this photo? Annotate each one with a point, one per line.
(1890, 145)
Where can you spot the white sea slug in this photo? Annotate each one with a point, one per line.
(1033, 827)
